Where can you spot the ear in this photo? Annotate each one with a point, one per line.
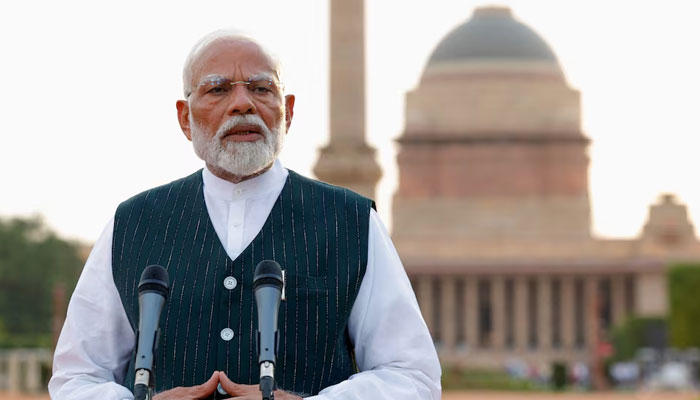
(289, 109)
(183, 117)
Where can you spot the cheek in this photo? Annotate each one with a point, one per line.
(203, 119)
(273, 114)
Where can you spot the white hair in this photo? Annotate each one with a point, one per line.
(240, 159)
(217, 36)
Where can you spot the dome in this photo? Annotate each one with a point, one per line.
(492, 34)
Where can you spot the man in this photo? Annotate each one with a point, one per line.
(350, 327)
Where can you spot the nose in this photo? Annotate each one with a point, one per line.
(240, 101)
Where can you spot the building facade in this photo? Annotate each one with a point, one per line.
(492, 213)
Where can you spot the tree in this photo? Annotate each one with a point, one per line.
(33, 259)
(684, 320)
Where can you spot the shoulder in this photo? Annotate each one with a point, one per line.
(350, 196)
(159, 193)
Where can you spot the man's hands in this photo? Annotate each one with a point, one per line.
(250, 392)
(191, 393)
(238, 391)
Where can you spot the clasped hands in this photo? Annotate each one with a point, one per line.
(206, 389)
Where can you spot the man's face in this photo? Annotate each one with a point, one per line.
(236, 114)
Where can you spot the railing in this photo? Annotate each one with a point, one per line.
(24, 370)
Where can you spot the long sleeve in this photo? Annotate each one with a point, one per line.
(394, 351)
(96, 342)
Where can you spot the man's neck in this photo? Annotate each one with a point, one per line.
(233, 178)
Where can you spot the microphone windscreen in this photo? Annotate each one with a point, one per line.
(268, 272)
(154, 279)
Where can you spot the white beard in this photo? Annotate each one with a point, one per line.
(239, 158)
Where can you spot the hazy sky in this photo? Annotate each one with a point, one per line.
(89, 91)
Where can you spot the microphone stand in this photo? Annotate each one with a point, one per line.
(143, 388)
(267, 380)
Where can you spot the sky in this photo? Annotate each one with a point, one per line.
(89, 91)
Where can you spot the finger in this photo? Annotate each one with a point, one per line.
(207, 387)
(236, 389)
(282, 395)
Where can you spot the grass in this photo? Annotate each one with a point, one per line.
(472, 379)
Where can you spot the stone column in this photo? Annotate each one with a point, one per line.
(14, 379)
(471, 299)
(544, 305)
(568, 324)
(33, 370)
(498, 310)
(347, 160)
(617, 298)
(425, 296)
(448, 299)
(591, 315)
(520, 313)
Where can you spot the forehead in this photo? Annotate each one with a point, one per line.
(232, 58)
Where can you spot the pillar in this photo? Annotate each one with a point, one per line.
(520, 313)
(568, 335)
(498, 306)
(33, 369)
(448, 300)
(544, 305)
(472, 310)
(14, 379)
(425, 296)
(591, 304)
(347, 160)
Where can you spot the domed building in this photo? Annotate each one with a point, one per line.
(492, 212)
(493, 139)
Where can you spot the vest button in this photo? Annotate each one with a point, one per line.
(230, 282)
(226, 334)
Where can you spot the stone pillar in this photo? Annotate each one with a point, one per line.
(448, 300)
(591, 312)
(617, 298)
(520, 313)
(347, 160)
(498, 310)
(33, 369)
(544, 305)
(471, 298)
(568, 324)
(14, 378)
(425, 296)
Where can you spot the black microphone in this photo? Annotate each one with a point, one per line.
(267, 284)
(153, 290)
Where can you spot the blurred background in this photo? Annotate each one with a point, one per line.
(534, 161)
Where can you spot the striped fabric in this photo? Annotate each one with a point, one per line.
(316, 232)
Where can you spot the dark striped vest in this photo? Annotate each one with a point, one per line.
(316, 232)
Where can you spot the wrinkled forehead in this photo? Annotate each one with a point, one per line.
(235, 59)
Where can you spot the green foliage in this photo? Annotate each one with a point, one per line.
(32, 261)
(559, 376)
(632, 335)
(684, 292)
(472, 379)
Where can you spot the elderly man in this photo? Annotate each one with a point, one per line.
(350, 327)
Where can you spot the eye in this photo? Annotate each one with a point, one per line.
(218, 89)
(215, 86)
(260, 87)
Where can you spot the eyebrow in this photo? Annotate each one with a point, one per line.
(255, 77)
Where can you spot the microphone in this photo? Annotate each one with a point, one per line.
(153, 290)
(267, 284)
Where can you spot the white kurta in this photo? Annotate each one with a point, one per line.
(393, 348)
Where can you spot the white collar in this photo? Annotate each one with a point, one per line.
(272, 179)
